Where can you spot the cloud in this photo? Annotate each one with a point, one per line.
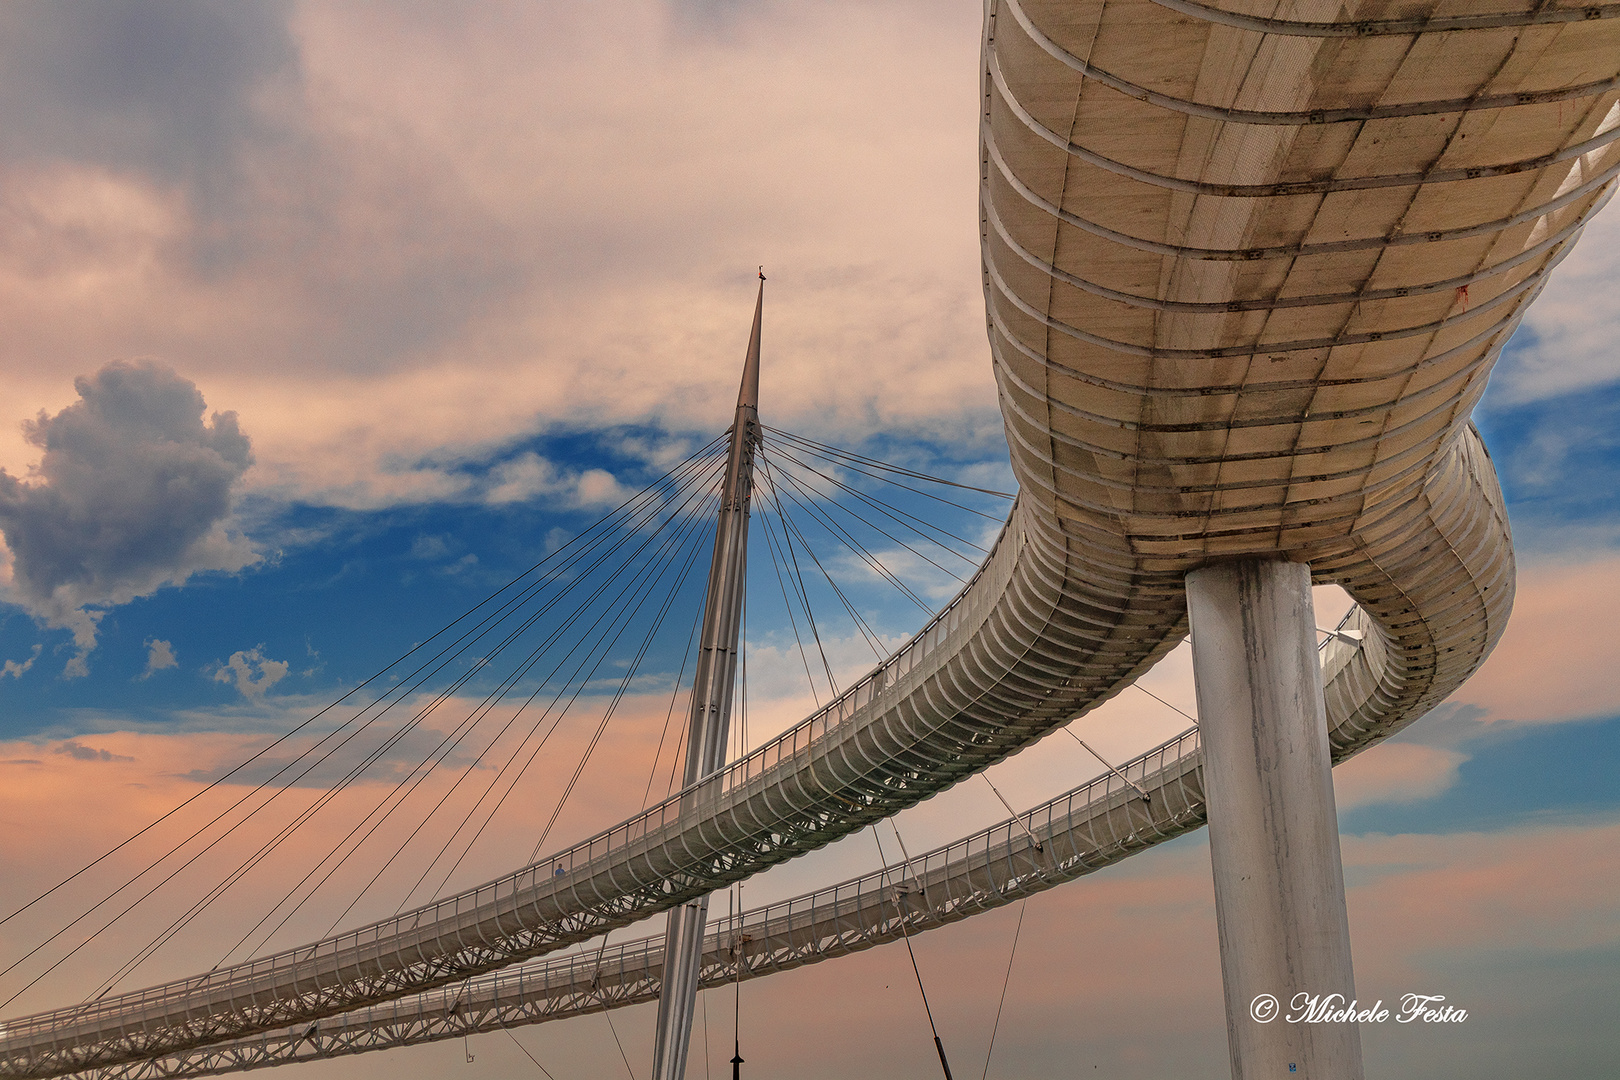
(79, 752)
(168, 87)
(16, 670)
(132, 493)
(1396, 772)
(159, 655)
(1567, 341)
(1555, 661)
(251, 672)
(529, 476)
(363, 247)
(430, 548)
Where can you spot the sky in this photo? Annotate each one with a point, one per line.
(327, 321)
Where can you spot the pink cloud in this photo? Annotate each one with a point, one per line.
(505, 232)
(1556, 661)
(1395, 772)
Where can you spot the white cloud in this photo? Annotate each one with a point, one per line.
(251, 672)
(522, 478)
(159, 656)
(530, 476)
(15, 670)
(598, 488)
(1571, 336)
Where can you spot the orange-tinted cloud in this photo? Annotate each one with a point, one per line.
(441, 232)
(1556, 661)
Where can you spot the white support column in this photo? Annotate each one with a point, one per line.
(1273, 830)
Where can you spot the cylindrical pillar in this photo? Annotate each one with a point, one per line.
(1273, 830)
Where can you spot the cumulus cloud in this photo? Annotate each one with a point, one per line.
(251, 672)
(159, 655)
(132, 493)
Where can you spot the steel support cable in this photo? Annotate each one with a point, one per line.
(791, 530)
(905, 934)
(787, 604)
(734, 901)
(895, 514)
(1090, 827)
(803, 594)
(1001, 1004)
(684, 531)
(742, 683)
(274, 795)
(530, 1056)
(451, 739)
(290, 765)
(1290, 187)
(253, 861)
(1542, 15)
(618, 696)
(800, 592)
(1298, 117)
(675, 763)
(669, 715)
(285, 737)
(804, 487)
(483, 710)
(861, 463)
(808, 505)
(325, 799)
(868, 523)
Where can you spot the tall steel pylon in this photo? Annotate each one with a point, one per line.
(711, 704)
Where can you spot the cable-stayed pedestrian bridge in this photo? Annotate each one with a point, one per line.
(1246, 269)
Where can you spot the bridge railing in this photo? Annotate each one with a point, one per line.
(1093, 825)
(634, 854)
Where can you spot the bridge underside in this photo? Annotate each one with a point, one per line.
(1246, 274)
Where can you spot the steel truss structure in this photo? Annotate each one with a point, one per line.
(1074, 834)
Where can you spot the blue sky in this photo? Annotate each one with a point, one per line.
(469, 278)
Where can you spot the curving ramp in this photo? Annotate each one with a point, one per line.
(1246, 272)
